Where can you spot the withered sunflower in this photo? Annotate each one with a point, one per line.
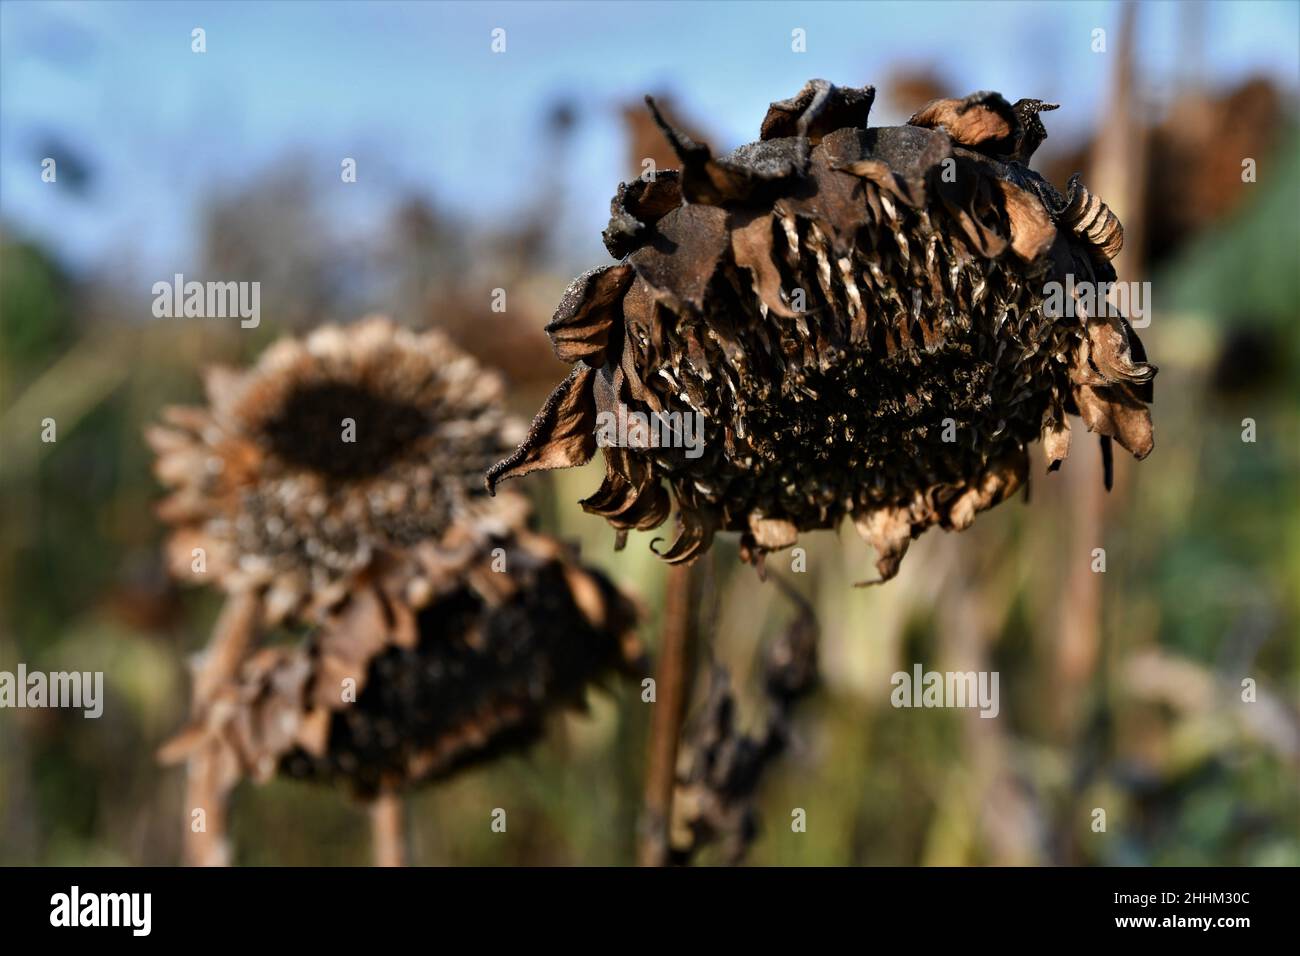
(343, 457)
(480, 669)
(337, 484)
(857, 316)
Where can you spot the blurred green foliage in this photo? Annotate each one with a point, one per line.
(1202, 590)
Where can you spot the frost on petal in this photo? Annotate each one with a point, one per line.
(588, 315)
(636, 207)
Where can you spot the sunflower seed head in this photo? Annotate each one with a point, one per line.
(856, 315)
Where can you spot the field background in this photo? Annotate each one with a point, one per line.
(476, 171)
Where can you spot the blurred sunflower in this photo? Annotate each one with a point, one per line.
(482, 666)
(337, 484)
(353, 452)
(859, 317)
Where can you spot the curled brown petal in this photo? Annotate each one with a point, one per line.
(889, 531)
(1056, 438)
(637, 206)
(981, 119)
(1032, 230)
(588, 315)
(561, 436)
(817, 109)
(630, 497)
(693, 538)
(772, 534)
(1091, 220)
(751, 248)
(995, 485)
(1108, 410)
(1109, 341)
(968, 201)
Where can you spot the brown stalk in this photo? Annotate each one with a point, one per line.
(388, 830)
(203, 786)
(670, 708)
(1118, 156)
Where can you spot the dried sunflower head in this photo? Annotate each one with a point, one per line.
(474, 675)
(338, 483)
(858, 317)
(355, 452)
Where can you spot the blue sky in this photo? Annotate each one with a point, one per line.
(415, 94)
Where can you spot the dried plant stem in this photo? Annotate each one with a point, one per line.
(388, 830)
(207, 846)
(670, 707)
(234, 631)
(230, 640)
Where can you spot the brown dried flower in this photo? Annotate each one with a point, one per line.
(721, 765)
(477, 673)
(858, 317)
(338, 484)
(351, 452)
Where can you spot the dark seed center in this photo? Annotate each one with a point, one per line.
(343, 431)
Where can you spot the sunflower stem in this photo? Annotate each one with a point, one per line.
(388, 830)
(206, 842)
(670, 708)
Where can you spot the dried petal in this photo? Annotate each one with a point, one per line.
(751, 248)
(819, 108)
(680, 261)
(562, 435)
(982, 119)
(588, 313)
(637, 206)
(1110, 411)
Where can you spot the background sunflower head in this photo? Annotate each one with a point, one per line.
(357, 450)
(381, 706)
